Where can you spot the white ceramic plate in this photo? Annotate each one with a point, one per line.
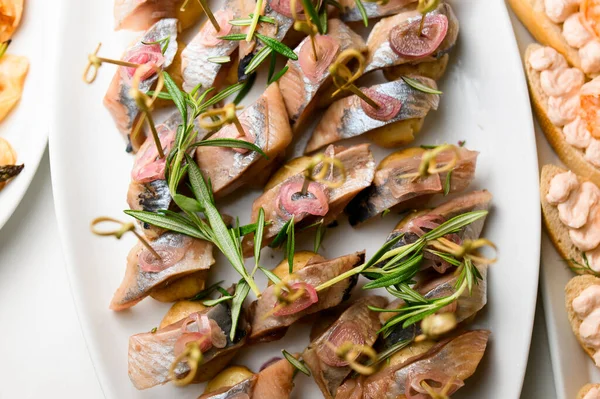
(485, 103)
(572, 368)
(26, 127)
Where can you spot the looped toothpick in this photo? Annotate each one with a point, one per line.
(350, 352)
(330, 164)
(467, 249)
(95, 62)
(305, 26)
(222, 116)
(344, 78)
(425, 7)
(192, 355)
(429, 163)
(146, 103)
(118, 233)
(207, 11)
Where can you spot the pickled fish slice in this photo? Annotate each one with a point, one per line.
(268, 327)
(197, 66)
(350, 11)
(302, 82)
(266, 121)
(382, 39)
(180, 256)
(358, 325)
(142, 14)
(152, 353)
(351, 116)
(117, 100)
(390, 190)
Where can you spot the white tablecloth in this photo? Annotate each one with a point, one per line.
(42, 351)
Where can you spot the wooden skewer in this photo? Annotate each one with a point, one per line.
(118, 233)
(95, 62)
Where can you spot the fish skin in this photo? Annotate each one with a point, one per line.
(327, 377)
(457, 357)
(350, 11)
(195, 66)
(267, 327)
(118, 101)
(137, 284)
(381, 54)
(360, 168)
(297, 89)
(268, 121)
(237, 391)
(389, 191)
(468, 304)
(151, 354)
(141, 14)
(346, 118)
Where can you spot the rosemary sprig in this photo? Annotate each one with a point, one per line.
(206, 292)
(579, 267)
(298, 364)
(248, 21)
(363, 12)
(415, 84)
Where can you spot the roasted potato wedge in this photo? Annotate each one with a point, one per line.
(182, 288)
(10, 17)
(13, 71)
(229, 377)
(180, 310)
(291, 168)
(396, 134)
(301, 259)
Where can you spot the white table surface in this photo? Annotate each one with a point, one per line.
(39, 326)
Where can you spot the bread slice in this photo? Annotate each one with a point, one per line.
(571, 156)
(533, 15)
(572, 291)
(586, 388)
(558, 232)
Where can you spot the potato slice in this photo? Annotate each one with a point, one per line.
(301, 259)
(182, 288)
(229, 377)
(180, 310)
(13, 71)
(396, 134)
(290, 169)
(10, 17)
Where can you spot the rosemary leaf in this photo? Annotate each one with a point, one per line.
(206, 292)
(415, 84)
(219, 60)
(213, 302)
(298, 364)
(241, 292)
(272, 65)
(176, 95)
(277, 46)
(258, 235)
(290, 247)
(270, 275)
(280, 237)
(447, 183)
(279, 74)
(319, 235)
(363, 12)
(247, 86)
(223, 94)
(162, 95)
(248, 21)
(230, 143)
(408, 271)
(233, 36)
(167, 222)
(312, 13)
(186, 203)
(258, 58)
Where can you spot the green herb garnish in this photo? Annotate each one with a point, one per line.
(415, 84)
(298, 364)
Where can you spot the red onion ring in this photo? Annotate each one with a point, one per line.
(348, 331)
(406, 41)
(436, 379)
(308, 298)
(150, 55)
(209, 36)
(389, 106)
(169, 256)
(148, 166)
(327, 49)
(291, 202)
(283, 7)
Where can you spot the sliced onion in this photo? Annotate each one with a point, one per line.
(169, 256)
(436, 379)
(291, 201)
(327, 49)
(148, 165)
(422, 224)
(209, 36)
(348, 331)
(150, 55)
(389, 106)
(217, 335)
(195, 328)
(269, 362)
(283, 7)
(231, 132)
(406, 41)
(308, 298)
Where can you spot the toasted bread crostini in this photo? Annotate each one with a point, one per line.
(569, 26)
(582, 299)
(559, 97)
(589, 391)
(574, 234)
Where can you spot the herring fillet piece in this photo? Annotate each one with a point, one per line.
(195, 65)
(141, 14)
(138, 284)
(346, 118)
(267, 121)
(118, 101)
(351, 13)
(381, 55)
(297, 89)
